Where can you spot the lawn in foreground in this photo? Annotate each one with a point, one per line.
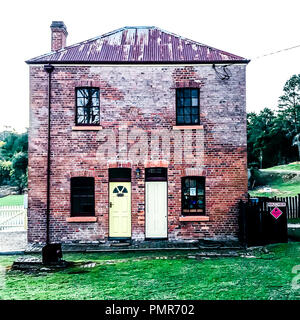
(267, 276)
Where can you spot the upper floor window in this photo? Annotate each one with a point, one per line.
(187, 106)
(82, 196)
(87, 106)
(193, 195)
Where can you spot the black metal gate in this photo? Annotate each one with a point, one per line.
(261, 223)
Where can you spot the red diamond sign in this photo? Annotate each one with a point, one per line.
(276, 213)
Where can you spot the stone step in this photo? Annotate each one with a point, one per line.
(120, 244)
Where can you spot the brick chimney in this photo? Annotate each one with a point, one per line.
(58, 35)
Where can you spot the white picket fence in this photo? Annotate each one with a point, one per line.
(13, 218)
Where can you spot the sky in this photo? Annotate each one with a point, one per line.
(247, 28)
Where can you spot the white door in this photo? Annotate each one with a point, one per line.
(156, 209)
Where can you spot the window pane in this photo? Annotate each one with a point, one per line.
(80, 119)
(200, 203)
(79, 93)
(200, 190)
(194, 102)
(95, 93)
(95, 101)
(187, 119)
(96, 120)
(193, 183)
(83, 93)
(179, 102)
(80, 102)
(180, 111)
(187, 93)
(193, 203)
(180, 119)
(179, 92)
(195, 119)
(95, 115)
(187, 111)
(187, 182)
(185, 203)
(195, 93)
(195, 110)
(187, 102)
(186, 191)
(80, 111)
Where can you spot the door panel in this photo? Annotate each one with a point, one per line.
(156, 209)
(120, 209)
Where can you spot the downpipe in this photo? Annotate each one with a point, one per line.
(51, 253)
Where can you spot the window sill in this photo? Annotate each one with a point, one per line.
(200, 127)
(82, 219)
(193, 218)
(86, 128)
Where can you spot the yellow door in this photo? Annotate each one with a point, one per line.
(120, 209)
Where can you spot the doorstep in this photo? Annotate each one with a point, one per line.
(155, 245)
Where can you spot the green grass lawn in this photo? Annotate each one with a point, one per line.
(296, 220)
(12, 200)
(284, 181)
(267, 276)
(294, 166)
(282, 189)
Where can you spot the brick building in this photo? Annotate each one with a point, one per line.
(146, 139)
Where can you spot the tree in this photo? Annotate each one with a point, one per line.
(14, 159)
(19, 170)
(266, 139)
(289, 106)
(5, 172)
(13, 143)
(260, 134)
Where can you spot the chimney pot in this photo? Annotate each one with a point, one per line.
(58, 35)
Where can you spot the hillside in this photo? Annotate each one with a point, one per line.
(282, 181)
(293, 167)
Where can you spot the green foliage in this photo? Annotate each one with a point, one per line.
(5, 171)
(14, 159)
(19, 169)
(289, 106)
(13, 143)
(270, 133)
(267, 139)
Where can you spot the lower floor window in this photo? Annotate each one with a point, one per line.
(82, 196)
(193, 195)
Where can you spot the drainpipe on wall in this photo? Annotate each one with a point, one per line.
(51, 253)
(48, 68)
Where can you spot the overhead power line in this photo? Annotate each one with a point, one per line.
(275, 52)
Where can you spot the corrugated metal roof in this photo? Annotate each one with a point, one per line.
(138, 45)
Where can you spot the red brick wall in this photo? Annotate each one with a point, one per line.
(138, 116)
(58, 38)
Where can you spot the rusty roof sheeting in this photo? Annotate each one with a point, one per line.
(138, 45)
